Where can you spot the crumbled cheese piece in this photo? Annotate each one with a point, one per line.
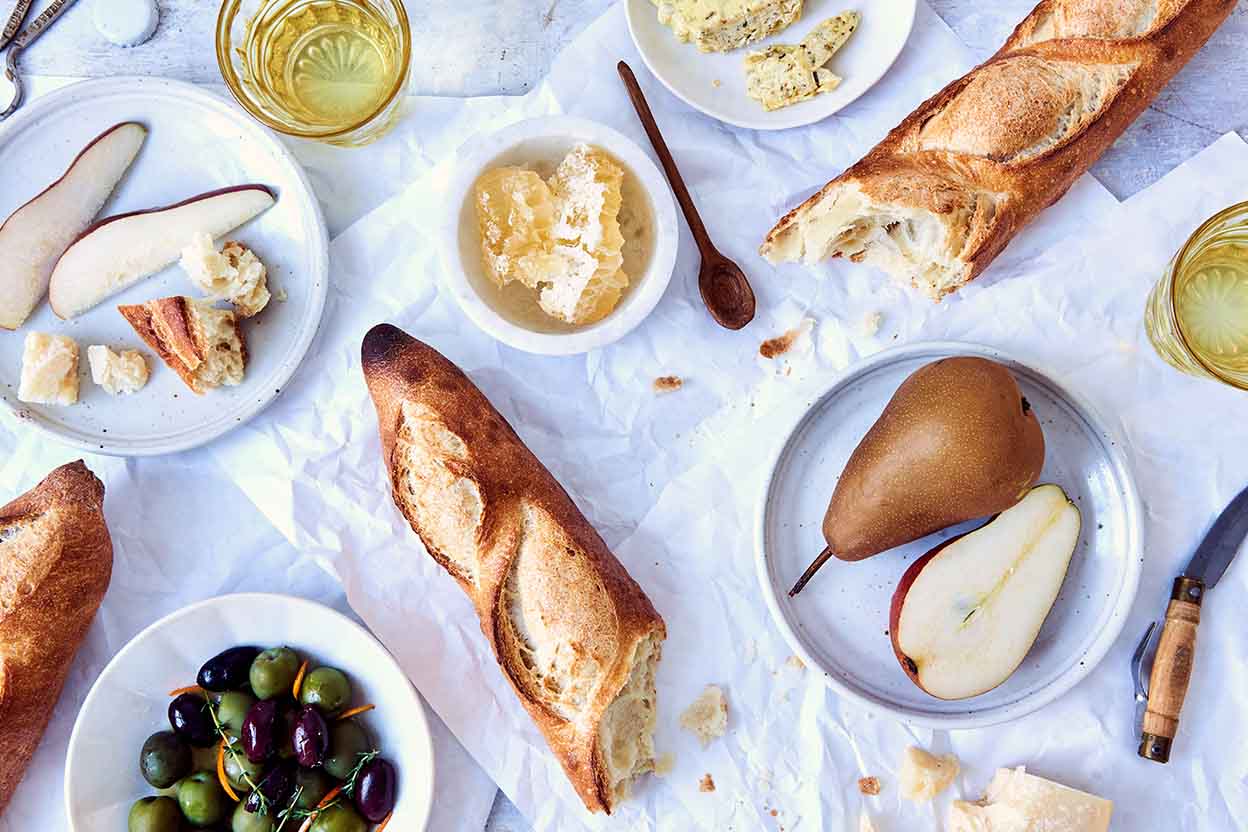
(724, 25)
(871, 323)
(1020, 802)
(924, 775)
(124, 372)
(49, 370)
(784, 74)
(707, 717)
(795, 662)
(233, 274)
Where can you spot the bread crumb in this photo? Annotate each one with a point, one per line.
(871, 323)
(668, 384)
(280, 294)
(869, 785)
(795, 662)
(774, 813)
(716, 83)
(706, 784)
(707, 717)
(664, 765)
(775, 347)
(924, 775)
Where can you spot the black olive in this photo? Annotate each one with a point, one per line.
(310, 737)
(277, 787)
(374, 792)
(260, 730)
(189, 717)
(228, 670)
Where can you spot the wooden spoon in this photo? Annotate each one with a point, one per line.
(725, 288)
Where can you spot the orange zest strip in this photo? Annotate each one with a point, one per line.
(303, 668)
(307, 824)
(363, 709)
(334, 792)
(381, 826)
(187, 689)
(225, 782)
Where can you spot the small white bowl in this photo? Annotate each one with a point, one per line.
(129, 701)
(512, 315)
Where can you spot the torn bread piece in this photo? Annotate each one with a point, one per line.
(924, 775)
(1020, 802)
(707, 717)
(117, 372)
(200, 343)
(785, 74)
(232, 274)
(49, 372)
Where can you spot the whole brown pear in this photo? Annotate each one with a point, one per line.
(957, 441)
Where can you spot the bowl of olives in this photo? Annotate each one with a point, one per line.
(251, 713)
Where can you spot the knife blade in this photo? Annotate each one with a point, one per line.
(1176, 649)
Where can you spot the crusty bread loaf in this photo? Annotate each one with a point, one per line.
(575, 636)
(55, 562)
(937, 200)
(202, 344)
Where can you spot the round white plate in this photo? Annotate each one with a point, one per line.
(196, 142)
(129, 702)
(512, 315)
(839, 622)
(714, 82)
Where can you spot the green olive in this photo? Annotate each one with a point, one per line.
(202, 799)
(165, 759)
(339, 818)
(244, 821)
(238, 769)
(273, 672)
(326, 688)
(232, 709)
(155, 814)
(347, 741)
(312, 785)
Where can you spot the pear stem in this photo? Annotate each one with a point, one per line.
(811, 570)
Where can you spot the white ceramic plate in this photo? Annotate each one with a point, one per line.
(129, 701)
(839, 622)
(714, 82)
(196, 142)
(512, 315)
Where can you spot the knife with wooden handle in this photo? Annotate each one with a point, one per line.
(1176, 649)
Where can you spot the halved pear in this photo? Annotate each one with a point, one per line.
(117, 252)
(965, 614)
(36, 234)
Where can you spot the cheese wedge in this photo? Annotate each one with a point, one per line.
(1020, 802)
(785, 74)
(724, 25)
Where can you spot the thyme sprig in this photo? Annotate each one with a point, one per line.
(229, 741)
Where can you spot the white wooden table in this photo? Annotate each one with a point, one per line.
(480, 47)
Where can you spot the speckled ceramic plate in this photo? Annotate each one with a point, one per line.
(714, 82)
(196, 142)
(839, 623)
(129, 701)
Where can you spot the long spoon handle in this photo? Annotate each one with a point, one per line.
(665, 158)
(15, 22)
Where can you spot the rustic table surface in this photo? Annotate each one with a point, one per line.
(483, 47)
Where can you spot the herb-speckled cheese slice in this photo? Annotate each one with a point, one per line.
(724, 25)
(785, 74)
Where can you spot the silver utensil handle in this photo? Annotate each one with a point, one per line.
(15, 22)
(41, 23)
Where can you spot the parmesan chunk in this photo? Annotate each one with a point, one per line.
(49, 370)
(924, 775)
(1020, 802)
(124, 372)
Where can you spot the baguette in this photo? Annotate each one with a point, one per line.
(55, 562)
(939, 198)
(202, 344)
(575, 636)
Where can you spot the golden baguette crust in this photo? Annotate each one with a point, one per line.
(547, 590)
(990, 151)
(56, 559)
(168, 326)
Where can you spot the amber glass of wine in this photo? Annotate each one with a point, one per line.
(330, 70)
(1197, 314)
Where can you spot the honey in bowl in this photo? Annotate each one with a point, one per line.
(327, 69)
(1197, 314)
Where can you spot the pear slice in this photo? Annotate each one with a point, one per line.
(965, 614)
(117, 252)
(36, 234)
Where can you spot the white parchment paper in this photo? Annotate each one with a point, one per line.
(671, 481)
